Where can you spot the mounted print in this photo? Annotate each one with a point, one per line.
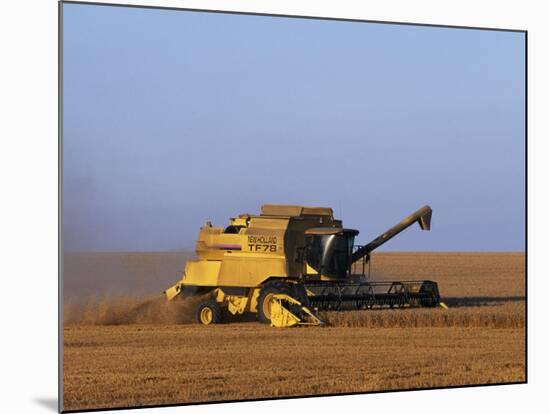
(261, 206)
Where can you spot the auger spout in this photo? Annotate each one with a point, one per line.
(422, 216)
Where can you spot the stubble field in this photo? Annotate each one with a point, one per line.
(125, 346)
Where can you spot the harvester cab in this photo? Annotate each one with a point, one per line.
(288, 263)
(329, 252)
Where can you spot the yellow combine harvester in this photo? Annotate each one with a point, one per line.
(289, 262)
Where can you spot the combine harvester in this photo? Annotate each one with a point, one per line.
(290, 262)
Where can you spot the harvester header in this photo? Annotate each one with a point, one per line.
(289, 262)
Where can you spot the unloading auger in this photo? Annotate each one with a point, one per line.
(289, 262)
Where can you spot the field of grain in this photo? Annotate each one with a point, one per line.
(128, 347)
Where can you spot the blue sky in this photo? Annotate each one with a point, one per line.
(172, 118)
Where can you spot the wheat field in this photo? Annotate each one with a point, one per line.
(132, 348)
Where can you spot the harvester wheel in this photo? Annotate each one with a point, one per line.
(266, 296)
(209, 312)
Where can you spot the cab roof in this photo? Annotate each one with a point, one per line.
(322, 231)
